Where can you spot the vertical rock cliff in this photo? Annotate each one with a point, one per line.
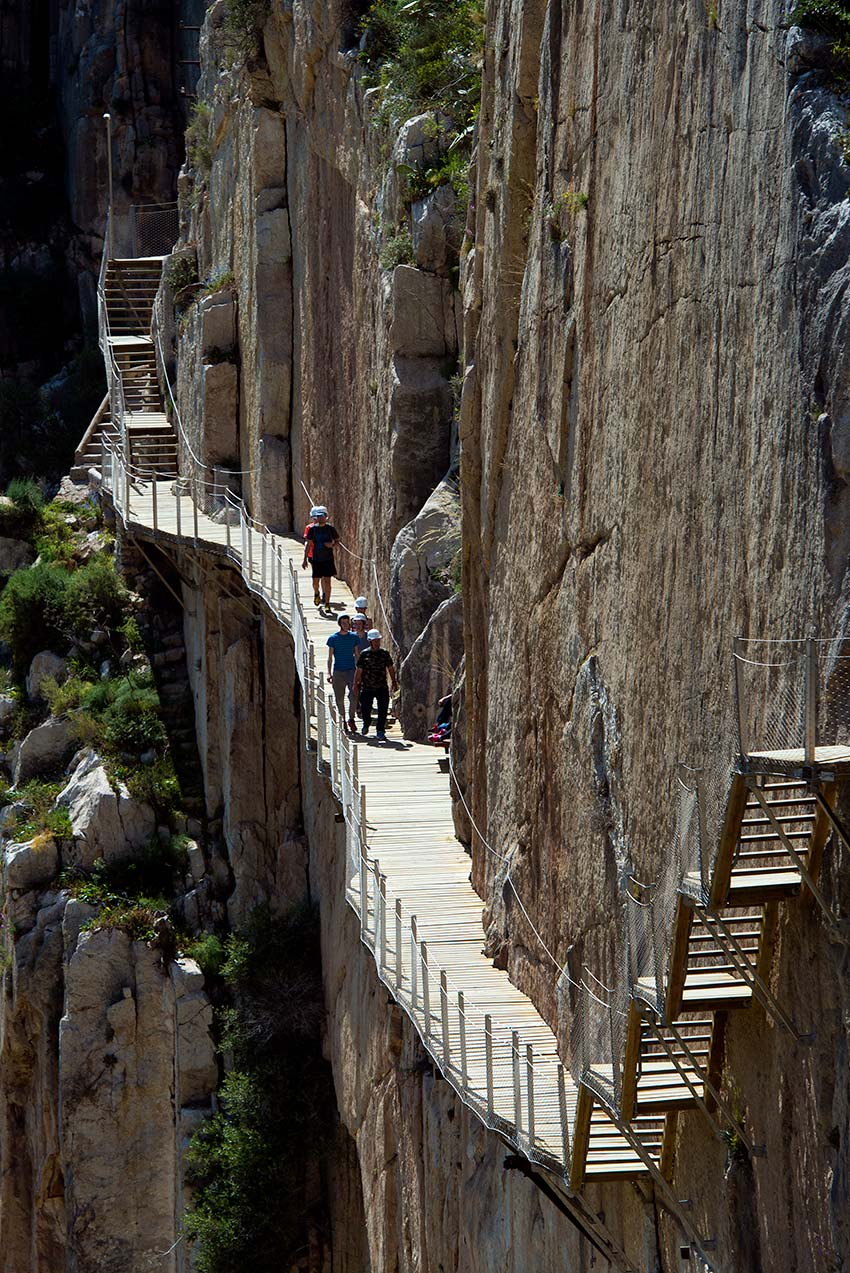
(576, 436)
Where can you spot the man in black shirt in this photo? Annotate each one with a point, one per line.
(370, 683)
(320, 539)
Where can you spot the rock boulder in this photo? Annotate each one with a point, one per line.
(31, 864)
(44, 750)
(44, 666)
(15, 554)
(428, 671)
(107, 822)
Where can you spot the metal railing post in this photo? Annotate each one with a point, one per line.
(111, 212)
(227, 524)
(529, 1083)
(426, 990)
(414, 979)
(195, 517)
(177, 504)
(811, 700)
(516, 1078)
(399, 963)
(564, 1113)
(488, 1055)
(153, 493)
(382, 902)
(262, 560)
(444, 1018)
(461, 1020)
(364, 894)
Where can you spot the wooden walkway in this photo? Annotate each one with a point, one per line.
(422, 918)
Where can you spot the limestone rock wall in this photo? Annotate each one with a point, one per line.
(342, 364)
(651, 465)
(106, 1060)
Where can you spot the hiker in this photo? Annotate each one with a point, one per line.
(360, 606)
(370, 683)
(319, 542)
(343, 649)
(360, 626)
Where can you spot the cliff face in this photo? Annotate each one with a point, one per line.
(650, 314)
(342, 365)
(651, 465)
(106, 1065)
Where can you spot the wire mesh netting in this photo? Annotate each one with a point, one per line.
(154, 228)
(770, 692)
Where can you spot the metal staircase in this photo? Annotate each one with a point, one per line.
(127, 291)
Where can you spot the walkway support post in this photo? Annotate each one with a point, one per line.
(565, 1118)
(488, 1054)
(426, 990)
(461, 1018)
(399, 962)
(811, 700)
(444, 1018)
(516, 1078)
(111, 212)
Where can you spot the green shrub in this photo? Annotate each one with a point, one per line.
(208, 953)
(132, 720)
(199, 150)
(41, 819)
(136, 919)
(25, 494)
(830, 16)
(397, 250)
(425, 56)
(95, 597)
(55, 540)
(181, 271)
(65, 698)
(131, 633)
(32, 613)
(247, 1160)
(156, 784)
(242, 27)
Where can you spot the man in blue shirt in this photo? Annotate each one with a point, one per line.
(343, 648)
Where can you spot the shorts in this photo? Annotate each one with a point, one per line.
(323, 569)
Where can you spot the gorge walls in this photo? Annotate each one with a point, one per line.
(651, 466)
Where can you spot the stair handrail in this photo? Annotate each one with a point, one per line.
(425, 990)
(440, 1022)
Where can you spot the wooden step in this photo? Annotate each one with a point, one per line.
(762, 839)
(714, 990)
(762, 884)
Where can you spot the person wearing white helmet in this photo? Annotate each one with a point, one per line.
(320, 539)
(343, 649)
(360, 626)
(370, 683)
(361, 606)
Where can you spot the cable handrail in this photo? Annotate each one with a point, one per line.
(514, 1082)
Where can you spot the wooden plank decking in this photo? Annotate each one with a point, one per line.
(410, 834)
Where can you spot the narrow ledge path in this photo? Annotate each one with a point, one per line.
(422, 919)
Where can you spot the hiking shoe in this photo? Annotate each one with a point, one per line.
(352, 725)
(365, 730)
(381, 736)
(317, 600)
